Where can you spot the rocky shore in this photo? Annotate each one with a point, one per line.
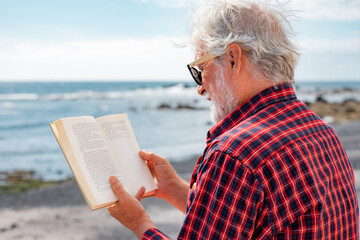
(348, 110)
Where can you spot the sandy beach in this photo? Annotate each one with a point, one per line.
(59, 211)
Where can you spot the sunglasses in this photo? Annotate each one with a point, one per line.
(196, 73)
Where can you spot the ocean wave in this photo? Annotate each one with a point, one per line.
(166, 94)
(330, 96)
(7, 105)
(19, 126)
(28, 152)
(19, 96)
(179, 90)
(170, 97)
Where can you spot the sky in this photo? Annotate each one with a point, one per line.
(67, 40)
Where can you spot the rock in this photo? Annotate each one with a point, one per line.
(13, 226)
(164, 106)
(320, 98)
(184, 106)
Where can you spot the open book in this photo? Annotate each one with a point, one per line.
(99, 148)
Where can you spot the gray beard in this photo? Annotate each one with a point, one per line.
(225, 103)
(219, 112)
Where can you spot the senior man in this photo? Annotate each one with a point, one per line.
(271, 167)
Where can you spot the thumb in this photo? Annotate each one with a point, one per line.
(116, 186)
(140, 193)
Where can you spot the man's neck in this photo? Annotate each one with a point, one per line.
(247, 87)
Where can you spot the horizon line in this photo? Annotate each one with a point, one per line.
(154, 80)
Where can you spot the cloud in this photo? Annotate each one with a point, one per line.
(169, 3)
(153, 59)
(347, 10)
(344, 10)
(329, 59)
(324, 66)
(344, 45)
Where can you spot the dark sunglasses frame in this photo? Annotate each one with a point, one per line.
(195, 73)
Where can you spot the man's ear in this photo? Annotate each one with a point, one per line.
(234, 59)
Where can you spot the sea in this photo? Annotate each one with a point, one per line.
(168, 118)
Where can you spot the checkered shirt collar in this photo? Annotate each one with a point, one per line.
(279, 93)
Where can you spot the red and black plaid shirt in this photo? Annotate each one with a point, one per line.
(272, 169)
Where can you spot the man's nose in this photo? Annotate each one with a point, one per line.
(200, 90)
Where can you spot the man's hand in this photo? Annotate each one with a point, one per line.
(128, 209)
(170, 186)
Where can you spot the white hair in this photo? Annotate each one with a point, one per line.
(259, 28)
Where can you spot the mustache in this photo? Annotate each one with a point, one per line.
(206, 95)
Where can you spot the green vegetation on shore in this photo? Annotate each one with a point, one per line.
(17, 187)
(21, 181)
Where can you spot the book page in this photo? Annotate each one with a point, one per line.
(92, 155)
(121, 140)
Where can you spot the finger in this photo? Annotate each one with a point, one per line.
(140, 193)
(151, 157)
(111, 209)
(116, 186)
(145, 155)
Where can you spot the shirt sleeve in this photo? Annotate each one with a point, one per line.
(226, 202)
(154, 234)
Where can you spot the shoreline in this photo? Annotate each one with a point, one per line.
(68, 193)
